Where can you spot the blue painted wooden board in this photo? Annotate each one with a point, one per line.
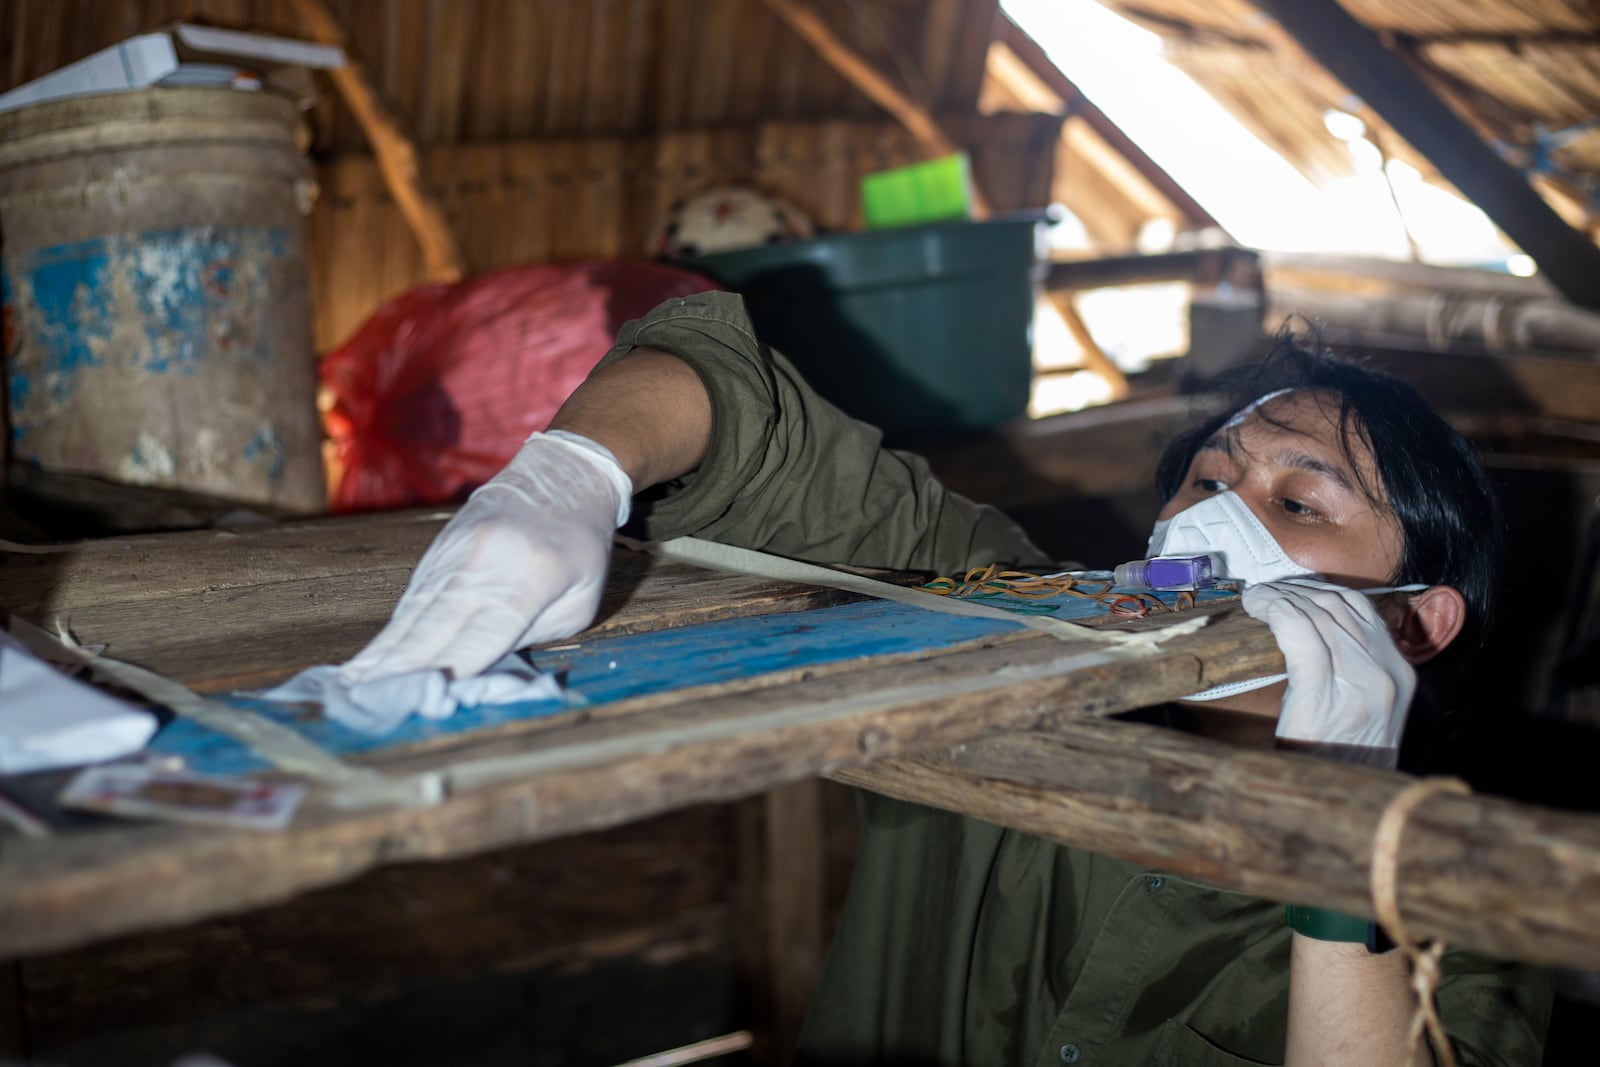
(610, 669)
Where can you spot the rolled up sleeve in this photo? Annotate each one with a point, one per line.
(789, 473)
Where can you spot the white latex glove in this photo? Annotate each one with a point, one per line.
(1348, 683)
(523, 561)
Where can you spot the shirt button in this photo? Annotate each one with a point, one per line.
(1070, 1053)
(1153, 882)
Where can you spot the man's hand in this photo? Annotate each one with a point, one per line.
(523, 561)
(1348, 683)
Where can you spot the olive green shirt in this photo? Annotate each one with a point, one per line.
(962, 942)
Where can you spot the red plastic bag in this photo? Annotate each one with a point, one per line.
(440, 387)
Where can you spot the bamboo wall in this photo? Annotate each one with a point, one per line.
(468, 70)
(557, 129)
(534, 200)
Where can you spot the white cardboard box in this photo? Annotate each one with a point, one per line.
(144, 60)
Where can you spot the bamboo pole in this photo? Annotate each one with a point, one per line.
(1094, 357)
(1513, 880)
(864, 76)
(397, 156)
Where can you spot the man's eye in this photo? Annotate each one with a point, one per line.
(1210, 485)
(1294, 507)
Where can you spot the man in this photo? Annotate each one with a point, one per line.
(963, 942)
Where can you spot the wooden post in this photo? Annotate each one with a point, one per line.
(397, 156)
(1517, 881)
(782, 878)
(864, 76)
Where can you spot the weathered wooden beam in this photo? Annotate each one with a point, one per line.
(397, 156)
(1377, 276)
(1358, 58)
(1028, 51)
(1444, 320)
(1239, 267)
(585, 771)
(866, 77)
(1513, 880)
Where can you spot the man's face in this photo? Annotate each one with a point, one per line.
(1295, 474)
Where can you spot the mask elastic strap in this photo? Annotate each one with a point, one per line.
(1243, 413)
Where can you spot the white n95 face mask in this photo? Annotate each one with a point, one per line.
(1240, 546)
(1224, 528)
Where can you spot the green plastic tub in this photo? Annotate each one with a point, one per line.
(924, 331)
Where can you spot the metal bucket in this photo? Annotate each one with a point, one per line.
(153, 277)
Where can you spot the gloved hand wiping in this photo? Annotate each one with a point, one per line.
(1348, 683)
(523, 561)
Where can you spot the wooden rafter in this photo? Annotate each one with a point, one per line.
(1358, 57)
(397, 156)
(1026, 49)
(871, 81)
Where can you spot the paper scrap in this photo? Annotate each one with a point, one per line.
(124, 789)
(50, 720)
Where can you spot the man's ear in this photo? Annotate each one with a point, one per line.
(1431, 620)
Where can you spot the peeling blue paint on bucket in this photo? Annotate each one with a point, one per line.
(155, 293)
(154, 303)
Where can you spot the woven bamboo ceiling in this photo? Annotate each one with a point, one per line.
(1524, 73)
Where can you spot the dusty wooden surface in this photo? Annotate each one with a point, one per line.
(208, 608)
(225, 610)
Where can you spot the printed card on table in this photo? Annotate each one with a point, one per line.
(167, 794)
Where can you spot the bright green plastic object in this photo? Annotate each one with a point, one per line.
(934, 191)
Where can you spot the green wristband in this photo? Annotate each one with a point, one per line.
(1325, 925)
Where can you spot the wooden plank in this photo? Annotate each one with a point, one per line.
(564, 904)
(244, 609)
(941, 30)
(520, 77)
(1358, 57)
(1208, 266)
(1510, 879)
(1187, 805)
(979, 21)
(593, 772)
(404, 59)
(750, 79)
(636, 63)
(450, 26)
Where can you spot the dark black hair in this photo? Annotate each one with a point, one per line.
(1433, 482)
